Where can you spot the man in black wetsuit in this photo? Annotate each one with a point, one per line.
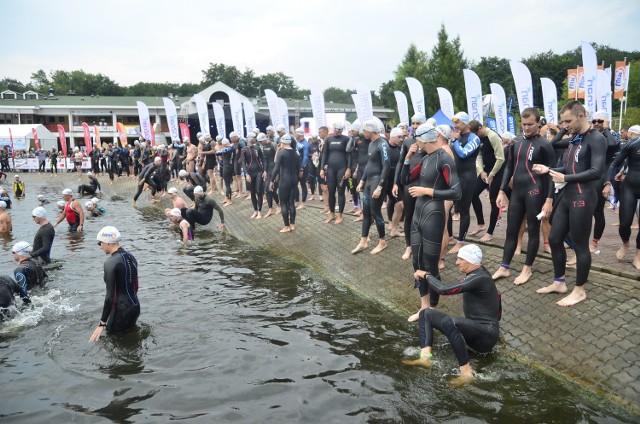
(479, 329)
(583, 167)
(335, 166)
(121, 306)
(268, 148)
(252, 160)
(145, 177)
(286, 173)
(8, 288)
(359, 145)
(43, 240)
(202, 210)
(92, 187)
(28, 273)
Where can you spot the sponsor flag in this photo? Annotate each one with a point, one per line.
(491, 123)
(172, 118)
(523, 83)
(236, 113)
(590, 65)
(203, 114)
(446, 102)
(356, 103)
(145, 121)
(366, 103)
(249, 115)
(96, 137)
(580, 81)
(13, 152)
(511, 124)
(499, 100)
(403, 107)
(603, 92)
(474, 95)
(619, 80)
(317, 107)
(122, 134)
(283, 111)
(272, 103)
(36, 140)
(218, 116)
(63, 140)
(184, 131)
(572, 83)
(626, 78)
(550, 99)
(417, 96)
(87, 137)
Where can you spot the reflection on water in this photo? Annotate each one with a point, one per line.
(228, 333)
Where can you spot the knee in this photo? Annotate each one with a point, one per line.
(447, 324)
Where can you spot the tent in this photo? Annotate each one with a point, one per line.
(23, 136)
(442, 119)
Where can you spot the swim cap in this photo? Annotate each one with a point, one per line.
(67, 192)
(419, 117)
(95, 200)
(40, 212)
(88, 203)
(270, 128)
(634, 129)
(22, 248)
(396, 132)
(462, 117)
(219, 138)
(300, 130)
(280, 128)
(157, 159)
(143, 144)
(426, 133)
(183, 173)
(3, 204)
(356, 127)
(175, 212)
(432, 121)
(370, 125)
(61, 203)
(185, 139)
(40, 196)
(285, 139)
(338, 125)
(262, 137)
(172, 190)
(233, 134)
(444, 130)
(508, 136)
(601, 114)
(471, 253)
(225, 141)
(403, 125)
(89, 174)
(16, 176)
(198, 190)
(108, 234)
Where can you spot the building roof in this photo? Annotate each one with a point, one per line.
(104, 101)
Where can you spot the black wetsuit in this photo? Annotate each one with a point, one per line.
(302, 148)
(480, 327)
(210, 161)
(253, 164)
(227, 168)
(203, 212)
(145, 177)
(394, 156)
(335, 162)
(583, 167)
(121, 306)
(613, 145)
(42, 242)
(8, 288)
(29, 274)
(492, 155)
(287, 167)
(91, 188)
(359, 146)
(313, 168)
(375, 176)
(403, 187)
(269, 153)
(466, 149)
(7, 200)
(630, 189)
(530, 191)
(437, 171)
(196, 180)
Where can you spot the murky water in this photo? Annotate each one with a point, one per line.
(229, 333)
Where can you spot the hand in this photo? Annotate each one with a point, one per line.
(412, 150)
(547, 208)
(619, 176)
(420, 274)
(489, 180)
(264, 175)
(347, 174)
(96, 333)
(322, 173)
(80, 228)
(540, 169)
(557, 177)
(606, 191)
(271, 185)
(417, 191)
(360, 186)
(249, 179)
(483, 176)
(355, 174)
(394, 190)
(377, 192)
(502, 201)
(220, 226)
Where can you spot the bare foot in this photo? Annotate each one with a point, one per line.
(547, 248)
(229, 203)
(331, 218)
(254, 215)
(523, 277)
(555, 287)
(300, 206)
(395, 233)
(616, 224)
(571, 262)
(339, 219)
(462, 381)
(486, 238)
(518, 250)
(636, 262)
(455, 217)
(259, 216)
(285, 230)
(441, 264)
(577, 295)
(382, 244)
(455, 248)
(502, 272)
(269, 213)
(133, 204)
(420, 362)
(622, 252)
(359, 248)
(593, 247)
(415, 317)
(293, 227)
(358, 219)
(407, 253)
(478, 230)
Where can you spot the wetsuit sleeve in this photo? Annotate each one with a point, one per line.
(21, 291)
(325, 154)
(223, 151)
(21, 277)
(98, 184)
(470, 283)
(261, 160)
(622, 155)
(398, 174)
(351, 159)
(110, 279)
(47, 241)
(498, 151)
(550, 161)
(598, 151)
(473, 143)
(305, 154)
(450, 174)
(383, 147)
(217, 207)
(508, 169)
(276, 168)
(558, 141)
(351, 144)
(243, 155)
(612, 141)
(479, 164)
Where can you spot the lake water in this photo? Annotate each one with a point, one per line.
(229, 333)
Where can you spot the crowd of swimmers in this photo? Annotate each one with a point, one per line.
(554, 180)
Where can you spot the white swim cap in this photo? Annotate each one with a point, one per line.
(396, 132)
(462, 117)
(225, 141)
(280, 128)
(508, 136)
(3, 204)
(198, 190)
(89, 174)
(233, 134)
(370, 125)
(41, 197)
(185, 139)
(601, 114)
(471, 253)
(183, 173)
(270, 128)
(634, 129)
(88, 204)
(16, 176)
(61, 203)
(172, 190)
(432, 122)
(285, 139)
(262, 137)
(22, 248)
(426, 133)
(95, 200)
(157, 159)
(444, 130)
(419, 117)
(40, 212)
(300, 130)
(67, 192)
(108, 234)
(175, 212)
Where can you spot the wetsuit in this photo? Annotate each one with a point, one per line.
(613, 145)
(360, 148)
(196, 180)
(437, 171)
(630, 189)
(480, 327)
(121, 306)
(583, 167)
(29, 274)
(8, 288)
(91, 188)
(375, 176)
(42, 242)
(203, 212)
(72, 216)
(145, 177)
(335, 162)
(136, 161)
(287, 167)
(269, 153)
(394, 156)
(403, 186)
(490, 160)
(18, 188)
(530, 191)
(302, 147)
(253, 164)
(227, 168)
(313, 167)
(466, 149)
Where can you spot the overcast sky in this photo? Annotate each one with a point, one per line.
(322, 43)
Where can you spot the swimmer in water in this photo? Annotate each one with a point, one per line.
(186, 232)
(178, 202)
(28, 273)
(19, 189)
(43, 239)
(93, 208)
(92, 188)
(8, 288)
(121, 306)
(72, 212)
(5, 219)
(43, 200)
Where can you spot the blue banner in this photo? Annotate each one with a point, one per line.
(511, 124)
(491, 123)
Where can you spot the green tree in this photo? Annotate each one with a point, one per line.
(40, 82)
(13, 85)
(280, 83)
(229, 75)
(338, 95)
(495, 70)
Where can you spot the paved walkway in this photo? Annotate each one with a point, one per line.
(594, 343)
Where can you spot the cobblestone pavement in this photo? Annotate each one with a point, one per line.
(594, 343)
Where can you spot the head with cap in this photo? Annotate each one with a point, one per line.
(338, 127)
(461, 121)
(285, 139)
(396, 136)
(234, 137)
(426, 137)
(157, 160)
(469, 258)
(633, 132)
(225, 141)
(41, 197)
(39, 214)
(207, 137)
(417, 120)
(90, 174)
(108, 239)
(198, 191)
(270, 130)
(89, 205)
(600, 120)
(508, 137)
(172, 191)
(299, 133)
(16, 177)
(371, 130)
(356, 129)
(21, 250)
(175, 215)
(432, 122)
(3, 205)
(61, 204)
(67, 194)
(445, 132)
(186, 140)
(183, 173)
(262, 138)
(143, 145)
(280, 129)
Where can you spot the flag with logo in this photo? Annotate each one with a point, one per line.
(499, 100)
(619, 79)
(523, 83)
(87, 137)
(417, 95)
(572, 83)
(446, 102)
(474, 95)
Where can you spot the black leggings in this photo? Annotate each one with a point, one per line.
(427, 228)
(335, 181)
(271, 194)
(523, 203)
(123, 319)
(312, 177)
(141, 188)
(391, 201)
(494, 189)
(372, 208)
(227, 176)
(409, 207)
(256, 188)
(468, 185)
(572, 216)
(599, 221)
(196, 217)
(629, 196)
(461, 332)
(288, 203)
(303, 185)
(86, 189)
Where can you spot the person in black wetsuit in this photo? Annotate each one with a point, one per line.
(210, 161)
(29, 273)
(466, 147)
(313, 165)
(92, 187)
(436, 180)
(359, 145)
(302, 147)
(600, 122)
(489, 167)
(394, 204)
(532, 194)
(584, 164)
(145, 177)
(253, 165)
(629, 190)
(8, 289)
(480, 327)
(286, 173)
(202, 211)
(226, 152)
(335, 166)
(121, 307)
(43, 240)
(268, 148)
(372, 186)
(186, 232)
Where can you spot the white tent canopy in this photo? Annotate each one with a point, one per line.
(23, 136)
